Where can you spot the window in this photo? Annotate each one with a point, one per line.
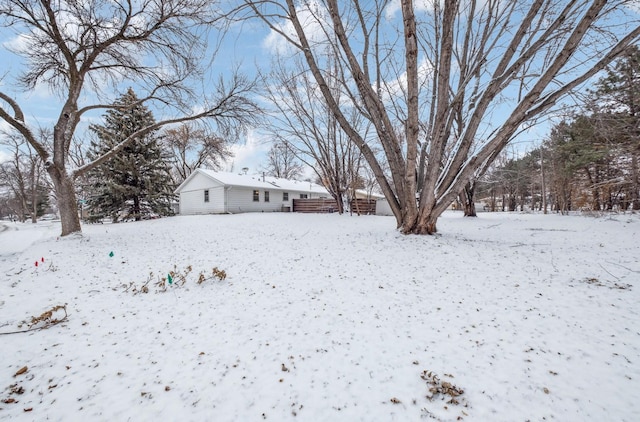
(266, 196)
(303, 196)
(285, 196)
(256, 195)
(206, 195)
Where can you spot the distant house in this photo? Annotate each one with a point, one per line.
(211, 192)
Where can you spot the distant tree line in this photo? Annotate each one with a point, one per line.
(588, 162)
(24, 188)
(423, 101)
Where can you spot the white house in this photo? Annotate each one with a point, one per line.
(210, 192)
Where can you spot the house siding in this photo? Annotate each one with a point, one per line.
(229, 193)
(192, 201)
(241, 200)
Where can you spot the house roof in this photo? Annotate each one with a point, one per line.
(256, 181)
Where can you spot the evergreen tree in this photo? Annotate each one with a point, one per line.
(40, 195)
(137, 181)
(617, 103)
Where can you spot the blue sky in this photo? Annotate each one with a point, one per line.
(243, 47)
(248, 44)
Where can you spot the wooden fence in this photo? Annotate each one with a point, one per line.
(323, 205)
(317, 205)
(363, 206)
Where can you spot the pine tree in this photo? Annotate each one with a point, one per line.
(136, 182)
(618, 101)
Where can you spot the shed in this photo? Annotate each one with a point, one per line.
(210, 192)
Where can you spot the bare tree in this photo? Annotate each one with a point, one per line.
(13, 179)
(282, 162)
(81, 50)
(23, 176)
(449, 85)
(305, 123)
(192, 147)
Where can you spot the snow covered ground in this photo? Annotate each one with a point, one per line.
(324, 318)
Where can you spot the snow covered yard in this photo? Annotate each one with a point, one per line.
(324, 318)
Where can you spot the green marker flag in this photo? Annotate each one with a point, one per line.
(111, 254)
(169, 279)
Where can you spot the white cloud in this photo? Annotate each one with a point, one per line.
(633, 6)
(17, 43)
(396, 87)
(4, 156)
(392, 9)
(312, 22)
(251, 154)
(276, 43)
(12, 65)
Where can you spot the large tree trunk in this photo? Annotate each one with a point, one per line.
(426, 223)
(468, 200)
(422, 223)
(34, 193)
(635, 182)
(472, 69)
(493, 204)
(340, 203)
(24, 208)
(428, 226)
(136, 209)
(34, 206)
(67, 202)
(335, 191)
